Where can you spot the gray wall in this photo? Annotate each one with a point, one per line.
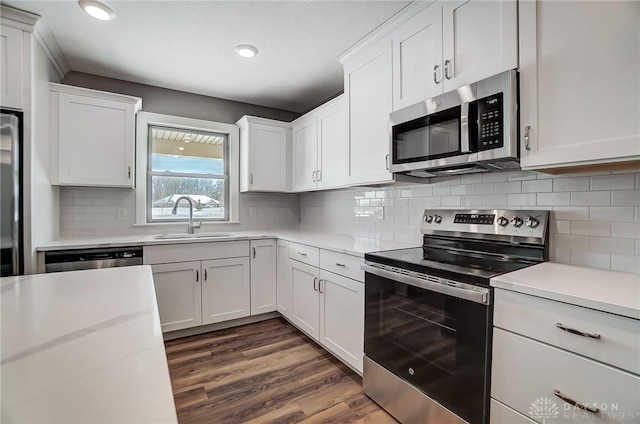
(179, 103)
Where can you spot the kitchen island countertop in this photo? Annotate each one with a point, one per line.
(84, 347)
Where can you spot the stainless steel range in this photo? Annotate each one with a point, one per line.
(428, 312)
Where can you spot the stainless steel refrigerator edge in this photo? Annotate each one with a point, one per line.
(11, 255)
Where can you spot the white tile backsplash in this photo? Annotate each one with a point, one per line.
(94, 212)
(595, 217)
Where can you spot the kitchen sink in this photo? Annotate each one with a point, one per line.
(179, 236)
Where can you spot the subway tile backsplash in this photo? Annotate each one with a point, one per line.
(595, 218)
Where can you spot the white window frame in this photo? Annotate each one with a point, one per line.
(145, 120)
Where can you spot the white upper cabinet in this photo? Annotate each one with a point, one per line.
(264, 154)
(480, 39)
(368, 91)
(450, 44)
(320, 146)
(305, 153)
(417, 58)
(11, 63)
(579, 83)
(93, 136)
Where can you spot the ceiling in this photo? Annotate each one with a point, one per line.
(189, 45)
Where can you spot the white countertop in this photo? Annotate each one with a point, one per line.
(357, 246)
(609, 291)
(84, 347)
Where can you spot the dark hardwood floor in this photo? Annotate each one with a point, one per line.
(268, 372)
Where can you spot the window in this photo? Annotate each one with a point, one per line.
(185, 161)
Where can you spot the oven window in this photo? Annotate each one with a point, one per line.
(431, 137)
(438, 343)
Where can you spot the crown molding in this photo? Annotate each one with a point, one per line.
(385, 28)
(51, 48)
(21, 19)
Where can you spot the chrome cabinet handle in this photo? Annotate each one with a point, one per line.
(254, 252)
(318, 175)
(320, 286)
(386, 162)
(592, 409)
(527, 129)
(205, 274)
(313, 176)
(197, 275)
(129, 171)
(302, 254)
(435, 74)
(577, 332)
(251, 178)
(315, 281)
(447, 66)
(339, 264)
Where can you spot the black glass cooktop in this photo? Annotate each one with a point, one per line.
(466, 267)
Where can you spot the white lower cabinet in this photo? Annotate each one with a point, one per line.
(225, 290)
(283, 279)
(178, 294)
(305, 306)
(559, 362)
(263, 276)
(342, 316)
(329, 307)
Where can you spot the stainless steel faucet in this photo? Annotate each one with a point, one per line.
(192, 227)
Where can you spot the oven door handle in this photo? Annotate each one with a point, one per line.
(473, 293)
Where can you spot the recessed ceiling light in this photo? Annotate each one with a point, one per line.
(97, 10)
(246, 50)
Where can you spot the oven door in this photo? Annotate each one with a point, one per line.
(436, 341)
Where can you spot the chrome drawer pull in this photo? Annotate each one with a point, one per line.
(592, 409)
(339, 264)
(578, 332)
(302, 254)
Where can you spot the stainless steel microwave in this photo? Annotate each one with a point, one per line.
(472, 129)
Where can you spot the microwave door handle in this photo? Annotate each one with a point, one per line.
(464, 129)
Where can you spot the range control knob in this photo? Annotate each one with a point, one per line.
(502, 221)
(437, 219)
(531, 222)
(516, 221)
(428, 219)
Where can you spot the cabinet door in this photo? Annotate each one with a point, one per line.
(178, 292)
(368, 88)
(263, 276)
(305, 153)
(283, 271)
(305, 305)
(267, 158)
(417, 58)
(96, 141)
(332, 148)
(342, 317)
(579, 84)
(11, 64)
(480, 39)
(225, 290)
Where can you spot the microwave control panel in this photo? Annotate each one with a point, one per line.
(490, 123)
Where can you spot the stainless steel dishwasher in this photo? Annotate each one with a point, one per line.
(77, 259)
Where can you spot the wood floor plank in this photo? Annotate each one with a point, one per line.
(267, 372)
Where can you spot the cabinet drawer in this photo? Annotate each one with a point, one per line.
(535, 317)
(342, 264)
(183, 252)
(502, 414)
(303, 253)
(525, 373)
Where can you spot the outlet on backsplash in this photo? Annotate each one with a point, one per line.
(122, 213)
(253, 211)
